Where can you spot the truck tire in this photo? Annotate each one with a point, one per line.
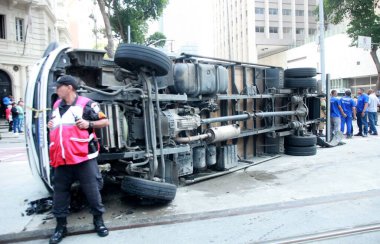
(301, 151)
(132, 57)
(300, 83)
(148, 189)
(300, 72)
(301, 141)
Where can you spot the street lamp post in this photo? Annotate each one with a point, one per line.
(322, 45)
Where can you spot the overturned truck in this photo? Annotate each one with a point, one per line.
(175, 120)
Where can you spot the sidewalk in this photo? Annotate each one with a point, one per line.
(9, 136)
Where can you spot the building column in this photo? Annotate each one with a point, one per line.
(280, 21)
(306, 20)
(294, 26)
(23, 80)
(16, 83)
(266, 14)
(251, 33)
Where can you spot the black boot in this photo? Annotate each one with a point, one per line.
(100, 228)
(60, 231)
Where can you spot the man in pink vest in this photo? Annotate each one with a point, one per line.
(73, 150)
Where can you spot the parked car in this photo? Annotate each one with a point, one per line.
(176, 120)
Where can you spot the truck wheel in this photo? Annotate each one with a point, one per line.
(300, 73)
(148, 189)
(132, 57)
(301, 141)
(300, 83)
(301, 151)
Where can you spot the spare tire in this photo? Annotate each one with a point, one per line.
(132, 57)
(300, 83)
(301, 141)
(301, 151)
(300, 72)
(148, 189)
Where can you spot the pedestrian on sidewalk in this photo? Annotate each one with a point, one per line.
(348, 106)
(73, 151)
(7, 100)
(8, 117)
(378, 98)
(20, 108)
(16, 121)
(373, 103)
(362, 113)
(322, 114)
(336, 112)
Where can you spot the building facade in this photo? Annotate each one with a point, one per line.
(349, 67)
(26, 29)
(247, 30)
(85, 23)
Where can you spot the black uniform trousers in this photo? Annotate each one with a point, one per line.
(90, 181)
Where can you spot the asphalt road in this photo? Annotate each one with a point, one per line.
(333, 197)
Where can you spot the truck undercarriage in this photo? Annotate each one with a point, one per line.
(178, 120)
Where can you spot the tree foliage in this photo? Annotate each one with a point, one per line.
(157, 39)
(362, 21)
(134, 13)
(108, 31)
(360, 14)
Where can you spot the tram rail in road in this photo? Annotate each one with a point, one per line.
(335, 201)
(333, 234)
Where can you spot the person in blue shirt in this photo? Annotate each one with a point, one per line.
(348, 106)
(7, 100)
(362, 113)
(336, 112)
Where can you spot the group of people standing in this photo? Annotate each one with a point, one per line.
(14, 114)
(362, 108)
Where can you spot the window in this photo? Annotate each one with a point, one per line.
(312, 31)
(259, 10)
(273, 29)
(2, 26)
(299, 30)
(19, 29)
(299, 13)
(273, 11)
(260, 29)
(311, 13)
(49, 35)
(287, 30)
(286, 11)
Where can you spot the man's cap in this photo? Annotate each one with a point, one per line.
(67, 80)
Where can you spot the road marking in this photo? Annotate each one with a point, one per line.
(13, 156)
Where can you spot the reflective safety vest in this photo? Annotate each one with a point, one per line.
(69, 144)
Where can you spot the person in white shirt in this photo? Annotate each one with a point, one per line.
(373, 102)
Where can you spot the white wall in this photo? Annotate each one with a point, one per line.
(279, 60)
(341, 59)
